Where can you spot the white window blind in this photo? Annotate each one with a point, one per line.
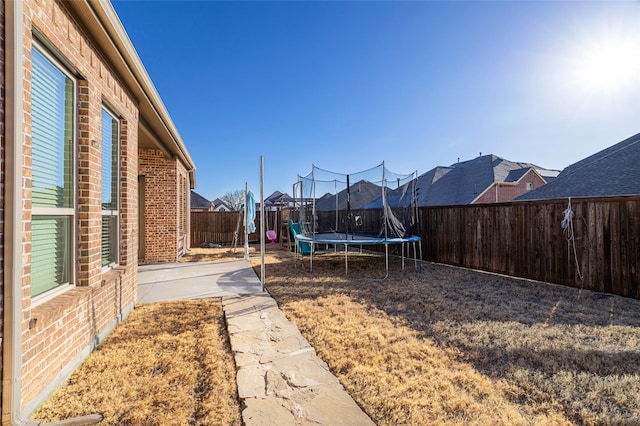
(52, 114)
(110, 170)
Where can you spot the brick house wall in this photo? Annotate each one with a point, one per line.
(502, 192)
(58, 333)
(165, 212)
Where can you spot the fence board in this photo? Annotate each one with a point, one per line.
(525, 239)
(220, 227)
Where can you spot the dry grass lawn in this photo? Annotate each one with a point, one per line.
(453, 346)
(218, 254)
(166, 364)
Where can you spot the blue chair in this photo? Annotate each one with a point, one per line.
(302, 247)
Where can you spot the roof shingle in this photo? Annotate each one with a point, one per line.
(612, 171)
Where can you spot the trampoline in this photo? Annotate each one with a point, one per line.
(379, 208)
(360, 240)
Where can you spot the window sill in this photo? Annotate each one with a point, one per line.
(53, 309)
(50, 295)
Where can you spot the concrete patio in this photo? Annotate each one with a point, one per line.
(280, 379)
(175, 281)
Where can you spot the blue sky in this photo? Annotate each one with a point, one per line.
(347, 85)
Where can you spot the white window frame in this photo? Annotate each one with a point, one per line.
(62, 211)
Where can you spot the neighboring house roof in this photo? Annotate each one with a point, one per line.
(360, 194)
(548, 175)
(220, 205)
(612, 171)
(278, 198)
(199, 202)
(515, 175)
(156, 128)
(463, 182)
(271, 199)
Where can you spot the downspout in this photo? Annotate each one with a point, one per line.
(188, 213)
(12, 339)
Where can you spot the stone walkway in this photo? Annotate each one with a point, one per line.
(281, 381)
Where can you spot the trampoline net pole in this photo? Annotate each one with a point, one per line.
(313, 209)
(335, 193)
(348, 207)
(384, 203)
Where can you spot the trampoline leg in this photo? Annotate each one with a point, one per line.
(311, 262)
(402, 245)
(386, 261)
(415, 256)
(346, 260)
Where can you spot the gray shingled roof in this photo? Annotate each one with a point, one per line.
(463, 182)
(612, 171)
(273, 197)
(278, 197)
(514, 175)
(361, 194)
(218, 202)
(199, 202)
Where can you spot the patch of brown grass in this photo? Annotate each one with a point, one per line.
(450, 345)
(167, 363)
(215, 254)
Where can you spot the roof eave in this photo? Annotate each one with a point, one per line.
(101, 20)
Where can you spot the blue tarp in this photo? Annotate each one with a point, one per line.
(251, 213)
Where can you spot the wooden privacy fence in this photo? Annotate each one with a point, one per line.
(220, 227)
(525, 239)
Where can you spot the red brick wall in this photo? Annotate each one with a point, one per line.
(506, 191)
(165, 217)
(57, 333)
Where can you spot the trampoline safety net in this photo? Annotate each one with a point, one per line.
(375, 202)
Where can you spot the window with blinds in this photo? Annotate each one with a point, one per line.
(110, 171)
(53, 124)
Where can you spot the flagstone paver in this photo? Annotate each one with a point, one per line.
(281, 380)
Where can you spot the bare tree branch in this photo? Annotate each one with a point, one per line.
(234, 199)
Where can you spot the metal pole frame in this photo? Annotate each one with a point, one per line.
(313, 215)
(246, 220)
(384, 205)
(262, 230)
(348, 208)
